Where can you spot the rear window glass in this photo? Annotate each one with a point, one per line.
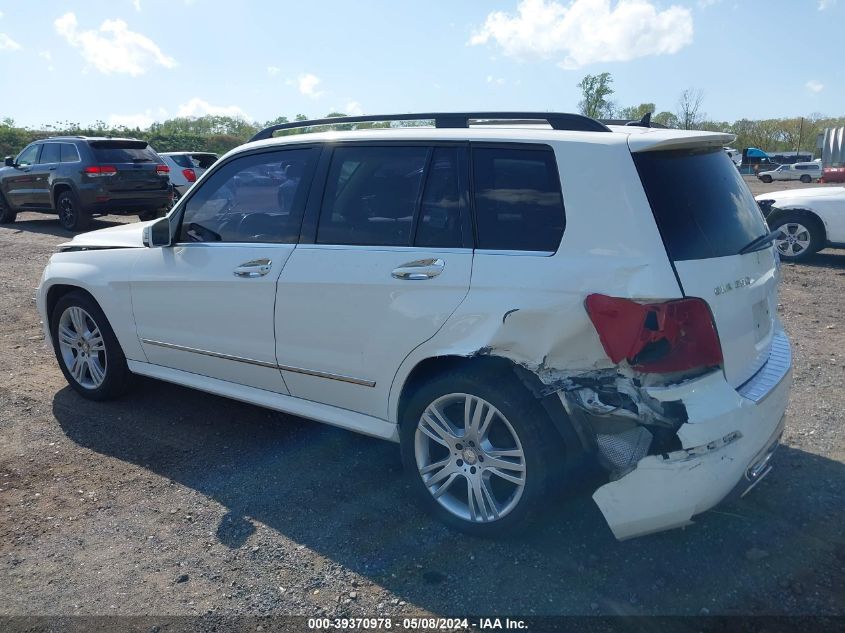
(69, 153)
(183, 160)
(123, 152)
(518, 204)
(204, 161)
(702, 205)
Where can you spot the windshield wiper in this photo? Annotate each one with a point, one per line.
(760, 242)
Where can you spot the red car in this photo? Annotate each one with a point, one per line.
(833, 174)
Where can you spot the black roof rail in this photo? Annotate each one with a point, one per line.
(557, 120)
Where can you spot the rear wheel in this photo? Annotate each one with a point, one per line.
(805, 178)
(798, 236)
(86, 348)
(482, 453)
(71, 215)
(152, 215)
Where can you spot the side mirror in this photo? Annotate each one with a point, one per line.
(10, 161)
(157, 233)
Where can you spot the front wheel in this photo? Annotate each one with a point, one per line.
(86, 348)
(71, 215)
(482, 453)
(7, 215)
(766, 179)
(798, 237)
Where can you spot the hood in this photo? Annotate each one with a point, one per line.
(803, 193)
(122, 236)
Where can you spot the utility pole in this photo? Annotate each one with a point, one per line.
(800, 132)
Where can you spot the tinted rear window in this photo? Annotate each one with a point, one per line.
(183, 160)
(702, 205)
(123, 152)
(518, 203)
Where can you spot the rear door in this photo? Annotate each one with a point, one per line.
(138, 167)
(389, 262)
(706, 215)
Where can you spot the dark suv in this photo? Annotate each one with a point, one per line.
(78, 177)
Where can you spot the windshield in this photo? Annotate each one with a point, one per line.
(702, 206)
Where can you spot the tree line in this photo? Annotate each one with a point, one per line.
(219, 134)
(772, 135)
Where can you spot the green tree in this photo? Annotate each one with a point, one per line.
(595, 90)
(635, 113)
(665, 118)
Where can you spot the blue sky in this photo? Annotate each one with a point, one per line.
(135, 61)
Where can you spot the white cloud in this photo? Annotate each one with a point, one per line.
(8, 44)
(585, 32)
(142, 120)
(199, 107)
(814, 86)
(137, 5)
(114, 49)
(46, 55)
(703, 4)
(826, 4)
(273, 70)
(307, 84)
(353, 108)
(495, 81)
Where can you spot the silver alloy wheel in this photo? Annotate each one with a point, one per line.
(792, 239)
(470, 458)
(82, 347)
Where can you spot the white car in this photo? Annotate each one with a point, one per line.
(476, 291)
(186, 167)
(806, 220)
(805, 172)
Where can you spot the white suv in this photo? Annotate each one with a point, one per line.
(502, 298)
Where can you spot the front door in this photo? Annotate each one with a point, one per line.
(390, 262)
(205, 305)
(19, 185)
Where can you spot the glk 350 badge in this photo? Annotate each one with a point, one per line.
(731, 285)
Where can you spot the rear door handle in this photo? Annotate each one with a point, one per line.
(419, 269)
(255, 268)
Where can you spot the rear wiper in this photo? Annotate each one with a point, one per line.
(142, 160)
(760, 242)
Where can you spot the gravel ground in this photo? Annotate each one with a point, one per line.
(170, 501)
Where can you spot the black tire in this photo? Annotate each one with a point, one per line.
(116, 373)
(811, 228)
(152, 215)
(766, 179)
(805, 178)
(7, 215)
(543, 450)
(72, 216)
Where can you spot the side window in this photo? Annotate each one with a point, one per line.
(439, 224)
(69, 153)
(256, 198)
(50, 154)
(28, 156)
(518, 202)
(371, 195)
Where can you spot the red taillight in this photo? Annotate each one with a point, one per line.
(656, 337)
(189, 174)
(162, 169)
(100, 170)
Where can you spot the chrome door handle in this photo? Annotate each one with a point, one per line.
(255, 268)
(420, 269)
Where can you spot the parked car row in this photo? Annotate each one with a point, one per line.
(79, 177)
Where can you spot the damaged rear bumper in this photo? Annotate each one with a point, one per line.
(727, 441)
